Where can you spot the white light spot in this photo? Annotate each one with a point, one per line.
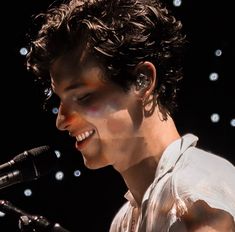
(232, 122)
(177, 3)
(77, 173)
(27, 192)
(23, 51)
(59, 175)
(2, 214)
(48, 92)
(215, 117)
(57, 153)
(55, 110)
(214, 76)
(218, 52)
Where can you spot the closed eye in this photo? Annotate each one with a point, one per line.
(82, 98)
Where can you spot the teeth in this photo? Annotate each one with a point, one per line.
(84, 135)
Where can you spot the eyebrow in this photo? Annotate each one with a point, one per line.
(73, 86)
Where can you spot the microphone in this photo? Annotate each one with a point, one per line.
(33, 222)
(27, 166)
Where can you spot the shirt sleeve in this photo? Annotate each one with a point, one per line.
(207, 177)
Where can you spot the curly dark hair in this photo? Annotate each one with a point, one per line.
(121, 34)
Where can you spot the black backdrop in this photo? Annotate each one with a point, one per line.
(88, 203)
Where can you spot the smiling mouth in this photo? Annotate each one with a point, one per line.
(84, 135)
(83, 139)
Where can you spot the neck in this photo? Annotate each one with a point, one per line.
(138, 177)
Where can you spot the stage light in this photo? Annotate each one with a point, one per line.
(214, 76)
(28, 192)
(23, 51)
(58, 153)
(177, 3)
(232, 122)
(59, 175)
(215, 117)
(77, 173)
(55, 110)
(218, 52)
(2, 214)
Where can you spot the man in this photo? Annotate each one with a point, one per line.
(115, 65)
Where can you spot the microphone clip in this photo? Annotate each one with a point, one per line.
(33, 223)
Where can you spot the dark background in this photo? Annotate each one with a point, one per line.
(89, 202)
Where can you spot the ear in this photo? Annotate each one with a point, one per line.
(146, 73)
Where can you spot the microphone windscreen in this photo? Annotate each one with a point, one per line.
(35, 162)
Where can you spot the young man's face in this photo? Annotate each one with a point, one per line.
(103, 118)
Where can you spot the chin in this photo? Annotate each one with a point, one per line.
(92, 163)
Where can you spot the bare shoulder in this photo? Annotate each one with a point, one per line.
(202, 218)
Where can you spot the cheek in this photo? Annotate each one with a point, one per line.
(117, 126)
(94, 112)
(102, 109)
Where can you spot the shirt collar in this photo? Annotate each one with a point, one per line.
(168, 161)
(130, 198)
(172, 154)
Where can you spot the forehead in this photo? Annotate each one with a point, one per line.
(71, 68)
(73, 62)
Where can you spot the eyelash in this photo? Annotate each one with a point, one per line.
(81, 99)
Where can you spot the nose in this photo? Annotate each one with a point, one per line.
(65, 119)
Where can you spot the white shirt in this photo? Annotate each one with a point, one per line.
(184, 175)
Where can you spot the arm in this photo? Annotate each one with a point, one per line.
(202, 218)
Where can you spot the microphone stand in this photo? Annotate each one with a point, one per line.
(28, 222)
